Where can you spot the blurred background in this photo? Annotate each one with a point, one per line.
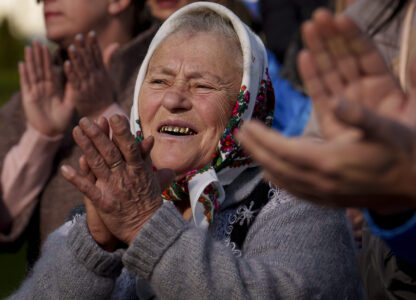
(21, 22)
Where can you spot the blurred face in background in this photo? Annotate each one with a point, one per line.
(65, 18)
(162, 9)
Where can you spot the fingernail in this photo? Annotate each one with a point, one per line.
(77, 131)
(79, 37)
(66, 171)
(67, 63)
(71, 48)
(85, 122)
(92, 33)
(115, 119)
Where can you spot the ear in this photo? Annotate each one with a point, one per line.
(116, 7)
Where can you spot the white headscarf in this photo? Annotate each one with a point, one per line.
(205, 186)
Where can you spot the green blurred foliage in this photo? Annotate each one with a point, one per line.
(12, 265)
(11, 51)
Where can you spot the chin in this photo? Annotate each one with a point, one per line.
(60, 38)
(178, 164)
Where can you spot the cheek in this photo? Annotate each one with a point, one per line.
(149, 105)
(217, 113)
(85, 15)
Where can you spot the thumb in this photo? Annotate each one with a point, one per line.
(108, 54)
(165, 177)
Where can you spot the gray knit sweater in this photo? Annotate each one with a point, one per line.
(293, 250)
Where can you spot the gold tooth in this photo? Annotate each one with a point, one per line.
(186, 130)
(176, 129)
(182, 130)
(170, 128)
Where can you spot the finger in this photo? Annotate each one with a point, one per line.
(95, 49)
(95, 161)
(30, 65)
(84, 52)
(106, 148)
(370, 60)
(317, 34)
(23, 78)
(71, 75)
(82, 183)
(77, 63)
(86, 171)
(344, 59)
(311, 78)
(38, 61)
(133, 152)
(104, 126)
(274, 151)
(47, 63)
(375, 126)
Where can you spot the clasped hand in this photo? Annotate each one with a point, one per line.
(48, 103)
(126, 192)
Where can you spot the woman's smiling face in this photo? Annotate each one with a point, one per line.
(187, 98)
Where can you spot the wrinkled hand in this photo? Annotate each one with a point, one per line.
(48, 108)
(88, 76)
(341, 63)
(96, 226)
(377, 172)
(127, 191)
(367, 160)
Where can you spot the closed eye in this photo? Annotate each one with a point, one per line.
(203, 86)
(157, 81)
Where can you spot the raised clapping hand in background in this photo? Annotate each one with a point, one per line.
(369, 156)
(88, 76)
(48, 105)
(127, 191)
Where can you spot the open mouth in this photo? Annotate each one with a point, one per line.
(176, 130)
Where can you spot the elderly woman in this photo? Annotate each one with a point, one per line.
(217, 230)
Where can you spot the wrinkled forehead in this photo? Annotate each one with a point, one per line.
(201, 44)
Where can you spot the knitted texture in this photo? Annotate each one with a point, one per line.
(90, 254)
(293, 250)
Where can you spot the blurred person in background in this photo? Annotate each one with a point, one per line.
(281, 20)
(162, 9)
(57, 90)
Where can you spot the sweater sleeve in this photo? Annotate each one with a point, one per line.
(293, 250)
(72, 266)
(26, 168)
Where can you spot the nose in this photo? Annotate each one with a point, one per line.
(176, 100)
